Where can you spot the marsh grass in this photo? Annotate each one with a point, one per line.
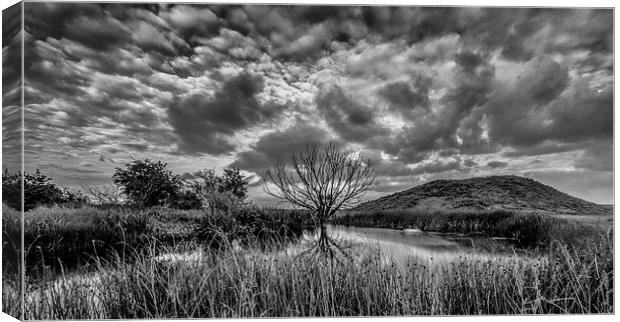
(259, 271)
(11, 242)
(250, 226)
(527, 230)
(11, 261)
(58, 238)
(263, 282)
(11, 301)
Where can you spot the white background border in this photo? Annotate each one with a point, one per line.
(520, 3)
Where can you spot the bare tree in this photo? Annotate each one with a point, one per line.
(322, 179)
(107, 194)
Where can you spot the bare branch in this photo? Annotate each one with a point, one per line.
(322, 179)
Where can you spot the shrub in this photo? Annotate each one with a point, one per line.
(38, 190)
(224, 192)
(147, 183)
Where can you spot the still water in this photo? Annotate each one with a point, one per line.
(400, 245)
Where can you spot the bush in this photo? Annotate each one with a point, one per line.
(225, 192)
(38, 190)
(148, 183)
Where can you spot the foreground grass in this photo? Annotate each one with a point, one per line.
(274, 283)
(261, 278)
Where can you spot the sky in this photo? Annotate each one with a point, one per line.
(424, 93)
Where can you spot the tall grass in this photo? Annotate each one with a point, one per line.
(251, 226)
(69, 237)
(11, 299)
(528, 230)
(267, 277)
(56, 237)
(11, 261)
(272, 283)
(11, 242)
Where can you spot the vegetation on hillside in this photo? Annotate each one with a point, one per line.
(485, 193)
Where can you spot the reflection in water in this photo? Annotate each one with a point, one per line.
(400, 245)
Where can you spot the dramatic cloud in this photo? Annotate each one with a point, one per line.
(203, 123)
(423, 93)
(405, 99)
(352, 120)
(278, 145)
(11, 89)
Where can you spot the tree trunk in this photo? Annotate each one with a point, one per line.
(323, 237)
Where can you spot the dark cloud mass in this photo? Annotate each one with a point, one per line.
(203, 123)
(405, 99)
(354, 121)
(11, 89)
(278, 145)
(422, 92)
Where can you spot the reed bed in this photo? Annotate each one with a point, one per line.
(260, 282)
(527, 230)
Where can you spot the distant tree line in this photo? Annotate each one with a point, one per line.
(147, 183)
(143, 183)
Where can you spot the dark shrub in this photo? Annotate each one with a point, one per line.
(38, 190)
(147, 183)
(224, 192)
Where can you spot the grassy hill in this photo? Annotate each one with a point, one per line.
(512, 193)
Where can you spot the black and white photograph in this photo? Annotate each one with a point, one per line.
(241, 160)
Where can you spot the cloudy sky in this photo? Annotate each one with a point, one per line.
(424, 93)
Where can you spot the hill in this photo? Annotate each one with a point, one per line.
(486, 193)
